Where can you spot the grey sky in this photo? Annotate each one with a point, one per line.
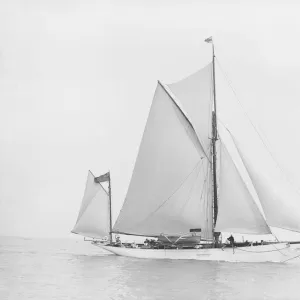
(77, 80)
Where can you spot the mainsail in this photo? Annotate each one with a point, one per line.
(94, 215)
(170, 189)
(171, 186)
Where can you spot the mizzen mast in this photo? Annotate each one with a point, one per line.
(104, 178)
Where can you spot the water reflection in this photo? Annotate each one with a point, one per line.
(48, 270)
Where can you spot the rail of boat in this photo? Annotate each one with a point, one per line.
(201, 245)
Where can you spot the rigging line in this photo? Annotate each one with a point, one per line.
(297, 231)
(166, 200)
(220, 162)
(208, 203)
(274, 235)
(202, 191)
(275, 246)
(210, 109)
(202, 171)
(210, 199)
(208, 149)
(192, 188)
(290, 258)
(254, 127)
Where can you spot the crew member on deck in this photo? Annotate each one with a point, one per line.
(118, 241)
(231, 240)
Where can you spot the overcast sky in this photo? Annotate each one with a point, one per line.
(77, 80)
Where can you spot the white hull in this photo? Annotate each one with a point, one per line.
(265, 253)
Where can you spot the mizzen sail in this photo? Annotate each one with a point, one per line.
(170, 189)
(94, 215)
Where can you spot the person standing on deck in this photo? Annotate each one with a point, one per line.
(231, 240)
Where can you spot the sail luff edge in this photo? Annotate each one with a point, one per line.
(173, 98)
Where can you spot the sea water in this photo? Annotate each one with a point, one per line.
(43, 269)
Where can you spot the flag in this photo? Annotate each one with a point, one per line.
(102, 178)
(209, 40)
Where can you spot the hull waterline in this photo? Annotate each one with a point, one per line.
(265, 253)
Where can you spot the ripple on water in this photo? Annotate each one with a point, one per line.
(49, 269)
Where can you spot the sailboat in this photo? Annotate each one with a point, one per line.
(187, 187)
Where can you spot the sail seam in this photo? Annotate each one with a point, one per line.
(83, 212)
(166, 200)
(192, 188)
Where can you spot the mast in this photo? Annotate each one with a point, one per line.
(110, 215)
(214, 139)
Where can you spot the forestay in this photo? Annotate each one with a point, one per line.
(93, 219)
(170, 189)
(238, 211)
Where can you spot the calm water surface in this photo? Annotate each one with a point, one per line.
(40, 269)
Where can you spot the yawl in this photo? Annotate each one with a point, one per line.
(187, 187)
